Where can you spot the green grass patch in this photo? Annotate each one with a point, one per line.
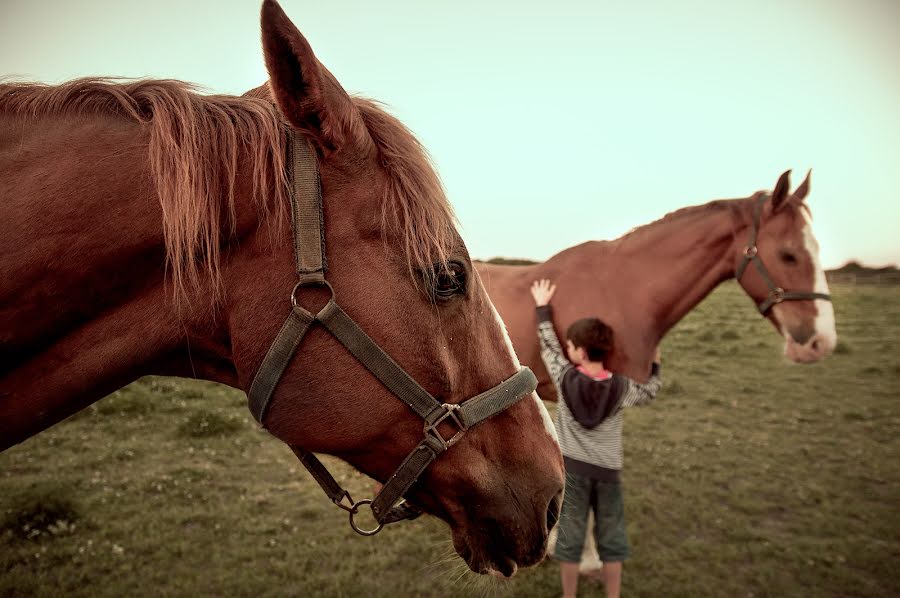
(748, 476)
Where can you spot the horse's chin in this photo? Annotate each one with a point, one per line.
(484, 555)
(801, 354)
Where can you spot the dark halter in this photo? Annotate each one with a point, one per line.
(751, 254)
(309, 250)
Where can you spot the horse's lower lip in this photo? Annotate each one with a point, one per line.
(494, 565)
(508, 570)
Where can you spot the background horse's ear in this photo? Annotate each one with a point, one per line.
(306, 93)
(803, 190)
(782, 190)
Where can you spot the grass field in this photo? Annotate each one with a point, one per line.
(748, 477)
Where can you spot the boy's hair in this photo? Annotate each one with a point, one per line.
(592, 335)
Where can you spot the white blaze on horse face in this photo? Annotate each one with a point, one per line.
(545, 415)
(825, 326)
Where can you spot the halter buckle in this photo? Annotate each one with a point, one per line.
(450, 411)
(750, 251)
(777, 294)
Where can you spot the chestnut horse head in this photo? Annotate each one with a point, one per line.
(151, 190)
(778, 266)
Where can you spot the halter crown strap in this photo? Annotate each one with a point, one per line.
(306, 210)
(751, 254)
(309, 249)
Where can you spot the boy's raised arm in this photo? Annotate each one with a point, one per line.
(551, 351)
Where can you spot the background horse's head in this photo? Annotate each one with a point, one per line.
(400, 269)
(790, 254)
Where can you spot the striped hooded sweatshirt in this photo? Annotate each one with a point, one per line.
(589, 412)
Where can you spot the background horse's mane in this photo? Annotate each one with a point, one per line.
(740, 210)
(194, 149)
(681, 213)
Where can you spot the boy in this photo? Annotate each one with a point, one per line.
(589, 424)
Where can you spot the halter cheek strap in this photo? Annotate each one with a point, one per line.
(309, 250)
(751, 254)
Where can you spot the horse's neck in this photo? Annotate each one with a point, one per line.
(676, 263)
(86, 309)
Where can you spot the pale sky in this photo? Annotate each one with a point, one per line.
(552, 123)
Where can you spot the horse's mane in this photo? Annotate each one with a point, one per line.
(415, 212)
(678, 216)
(195, 142)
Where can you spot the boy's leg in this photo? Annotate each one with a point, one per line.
(568, 574)
(612, 578)
(609, 531)
(572, 527)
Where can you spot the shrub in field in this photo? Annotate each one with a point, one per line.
(39, 513)
(127, 401)
(208, 424)
(729, 335)
(673, 388)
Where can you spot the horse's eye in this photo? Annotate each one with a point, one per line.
(788, 258)
(449, 280)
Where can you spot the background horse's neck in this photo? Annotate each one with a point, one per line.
(676, 262)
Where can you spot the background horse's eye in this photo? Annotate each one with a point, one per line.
(788, 258)
(449, 280)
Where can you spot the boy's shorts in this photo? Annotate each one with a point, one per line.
(605, 498)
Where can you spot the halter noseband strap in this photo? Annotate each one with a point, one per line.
(751, 254)
(309, 250)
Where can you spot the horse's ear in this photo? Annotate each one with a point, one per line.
(782, 190)
(306, 93)
(803, 190)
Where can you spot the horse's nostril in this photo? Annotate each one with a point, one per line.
(553, 511)
(815, 345)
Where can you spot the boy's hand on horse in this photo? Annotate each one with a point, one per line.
(542, 290)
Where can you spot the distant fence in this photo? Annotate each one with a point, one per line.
(885, 278)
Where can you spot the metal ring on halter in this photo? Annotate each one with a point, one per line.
(357, 529)
(777, 294)
(321, 282)
(750, 251)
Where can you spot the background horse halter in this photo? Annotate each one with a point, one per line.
(309, 249)
(751, 254)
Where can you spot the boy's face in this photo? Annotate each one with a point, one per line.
(577, 355)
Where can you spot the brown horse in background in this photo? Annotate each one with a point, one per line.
(643, 283)
(145, 230)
